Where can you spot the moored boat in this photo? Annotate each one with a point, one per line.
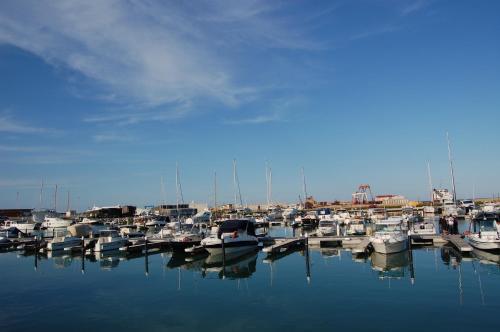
(238, 237)
(389, 237)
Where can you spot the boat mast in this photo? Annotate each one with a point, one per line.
(55, 199)
(234, 182)
(451, 170)
(267, 185)
(68, 202)
(304, 187)
(163, 193)
(215, 195)
(430, 181)
(270, 185)
(177, 188)
(41, 195)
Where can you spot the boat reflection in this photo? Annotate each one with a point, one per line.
(487, 257)
(390, 265)
(235, 267)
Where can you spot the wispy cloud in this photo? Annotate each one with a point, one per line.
(152, 53)
(414, 6)
(259, 119)
(375, 32)
(111, 137)
(42, 155)
(9, 125)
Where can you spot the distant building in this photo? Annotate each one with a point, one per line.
(391, 200)
(15, 213)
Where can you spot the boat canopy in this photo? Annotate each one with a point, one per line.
(325, 211)
(230, 226)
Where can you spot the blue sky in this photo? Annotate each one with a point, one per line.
(103, 98)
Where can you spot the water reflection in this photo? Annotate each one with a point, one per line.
(234, 267)
(390, 265)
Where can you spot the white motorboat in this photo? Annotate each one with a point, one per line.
(61, 243)
(389, 237)
(156, 221)
(289, 213)
(188, 236)
(429, 209)
(56, 222)
(422, 228)
(355, 227)
(91, 221)
(109, 240)
(327, 227)
(488, 237)
(25, 226)
(202, 216)
(238, 236)
(376, 214)
(325, 214)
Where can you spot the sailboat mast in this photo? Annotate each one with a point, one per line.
(215, 193)
(41, 195)
(234, 182)
(430, 181)
(68, 202)
(177, 187)
(270, 185)
(304, 187)
(451, 170)
(267, 185)
(55, 199)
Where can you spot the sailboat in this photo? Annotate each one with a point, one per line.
(450, 207)
(430, 209)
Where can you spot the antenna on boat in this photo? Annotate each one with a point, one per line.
(451, 170)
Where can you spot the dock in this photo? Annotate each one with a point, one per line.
(282, 245)
(458, 242)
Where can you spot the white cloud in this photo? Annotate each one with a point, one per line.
(150, 53)
(113, 137)
(8, 125)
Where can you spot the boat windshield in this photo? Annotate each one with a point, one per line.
(487, 226)
(387, 227)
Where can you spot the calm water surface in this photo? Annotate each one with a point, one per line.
(254, 292)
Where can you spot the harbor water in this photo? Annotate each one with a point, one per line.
(333, 290)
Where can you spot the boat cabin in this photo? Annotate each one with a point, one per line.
(239, 225)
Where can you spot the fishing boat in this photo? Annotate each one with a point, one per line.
(56, 222)
(109, 240)
(488, 237)
(61, 243)
(237, 236)
(389, 237)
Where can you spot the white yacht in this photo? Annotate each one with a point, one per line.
(355, 227)
(91, 221)
(156, 221)
(109, 240)
(327, 227)
(188, 236)
(238, 235)
(389, 237)
(60, 243)
(24, 225)
(488, 237)
(289, 213)
(202, 216)
(56, 222)
(425, 227)
(325, 214)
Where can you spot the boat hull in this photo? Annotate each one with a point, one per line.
(485, 245)
(390, 247)
(108, 246)
(54, 246)
(181, 246)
